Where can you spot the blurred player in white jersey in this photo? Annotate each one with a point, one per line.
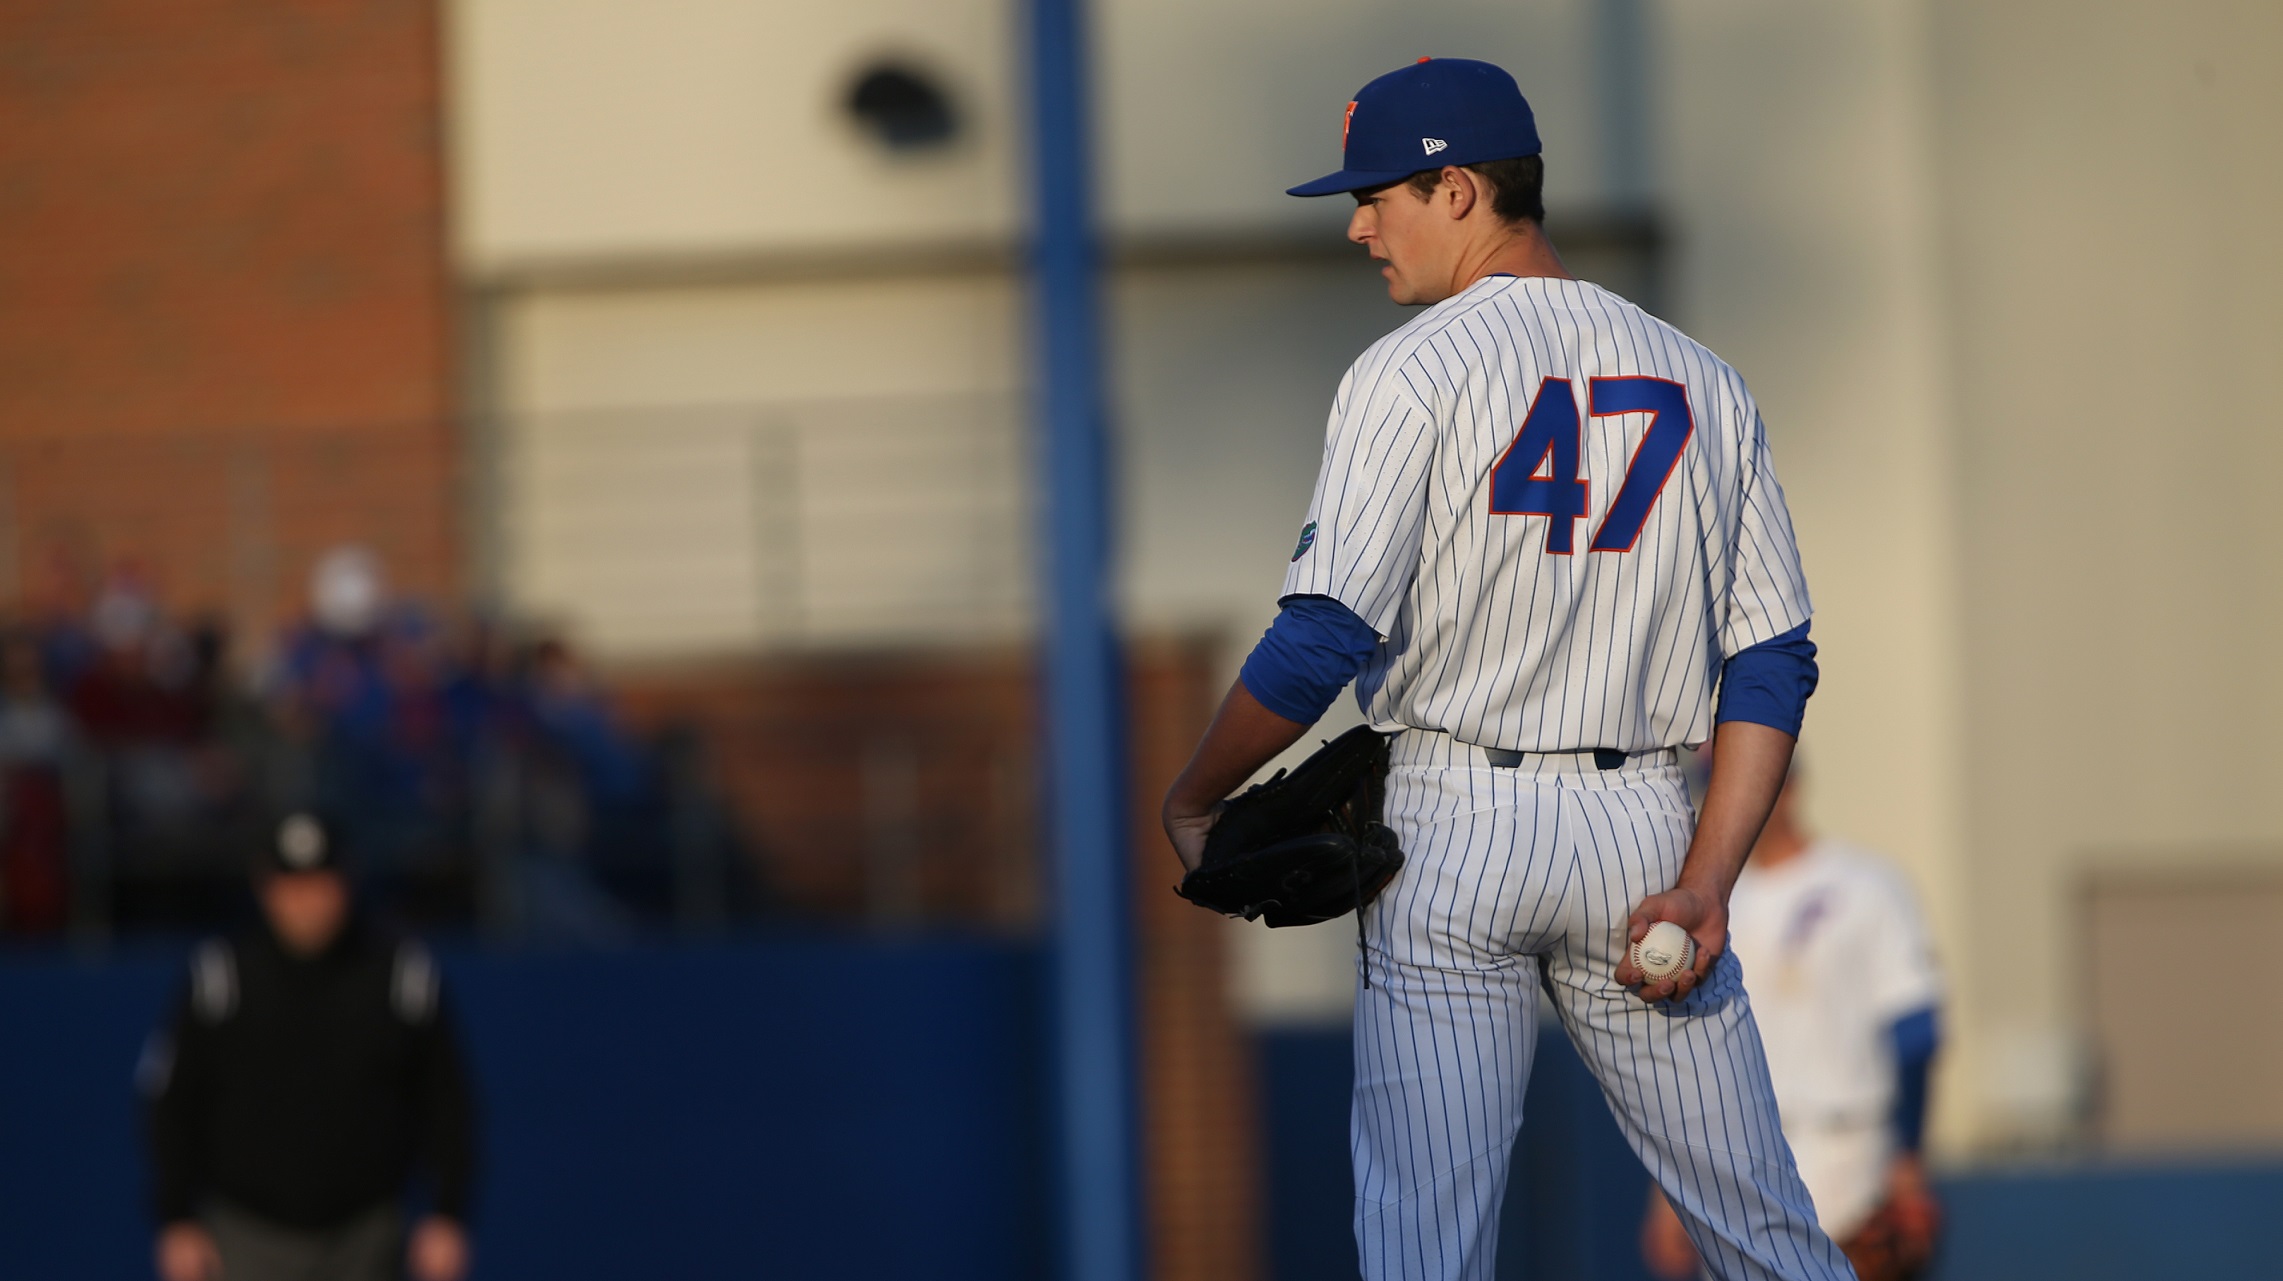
(1841, 970)
(1547, 530)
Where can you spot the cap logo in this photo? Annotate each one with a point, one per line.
(1433, 145)
(300, 842)
(1345, 121)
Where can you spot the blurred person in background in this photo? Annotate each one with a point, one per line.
(140, 691)
(57, 598)
(36, 736)
(358, 693)
(1841, 973)
(478, 692)
(572, 715)
(307, 1073)
(579, 782)
(144, 704)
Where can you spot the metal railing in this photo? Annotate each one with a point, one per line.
(860, 522)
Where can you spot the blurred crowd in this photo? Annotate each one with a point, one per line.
(478, 773)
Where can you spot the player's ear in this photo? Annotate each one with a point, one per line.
(1463, 191)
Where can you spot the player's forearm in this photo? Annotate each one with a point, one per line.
(1243, 737)
(1748, 766)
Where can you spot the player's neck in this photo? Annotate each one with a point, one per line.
(1519, 251)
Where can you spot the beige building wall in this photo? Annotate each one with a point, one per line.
(667, 212)
(593, 132)
(1210, 109)
(587, 131)
(2109, 176)
(697, 469)
(2001, 278)
(1801, 180)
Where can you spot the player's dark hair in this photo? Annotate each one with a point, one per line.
(1517, 186)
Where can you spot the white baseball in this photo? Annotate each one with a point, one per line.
(1664, 951)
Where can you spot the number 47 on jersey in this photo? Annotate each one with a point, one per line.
(1537, 475)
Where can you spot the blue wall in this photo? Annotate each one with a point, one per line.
(70, 1171)
(828, 1108)
(2120, 1223)
(1573, 1207)
(810, 1108)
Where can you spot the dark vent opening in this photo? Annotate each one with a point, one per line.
(903, 107)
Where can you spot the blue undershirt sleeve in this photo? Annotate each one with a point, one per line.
(1307, 656)
(1915, 1037)
(1769, 683)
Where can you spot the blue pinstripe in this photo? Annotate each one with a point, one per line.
(1525, 876)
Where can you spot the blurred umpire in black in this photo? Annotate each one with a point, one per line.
(308, 1072)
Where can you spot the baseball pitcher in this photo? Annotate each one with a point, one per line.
(1548, 546)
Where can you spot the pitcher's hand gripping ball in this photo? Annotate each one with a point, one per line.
(1664, 951)
(1306, 846)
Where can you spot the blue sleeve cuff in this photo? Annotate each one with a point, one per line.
(1915, 1037)
(1769, 683)
(1307, 656)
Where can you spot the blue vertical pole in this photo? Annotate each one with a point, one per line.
(1084, 733)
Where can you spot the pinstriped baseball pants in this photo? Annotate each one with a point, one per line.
(1516, 887)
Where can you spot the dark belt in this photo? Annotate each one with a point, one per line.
(1603, 757)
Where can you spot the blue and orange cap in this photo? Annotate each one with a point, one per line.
(1435, 112)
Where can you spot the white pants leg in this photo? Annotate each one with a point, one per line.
(1511, 875)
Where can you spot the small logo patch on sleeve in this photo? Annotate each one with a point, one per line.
(1307, 540)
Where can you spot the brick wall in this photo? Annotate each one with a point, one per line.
(224, 300)
(1204, 1160)
(894, 787)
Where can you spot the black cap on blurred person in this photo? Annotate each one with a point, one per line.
(301, 842)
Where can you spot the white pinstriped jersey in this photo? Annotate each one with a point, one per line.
(1559, 513)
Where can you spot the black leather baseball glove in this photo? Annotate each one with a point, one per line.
(1305, 846)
